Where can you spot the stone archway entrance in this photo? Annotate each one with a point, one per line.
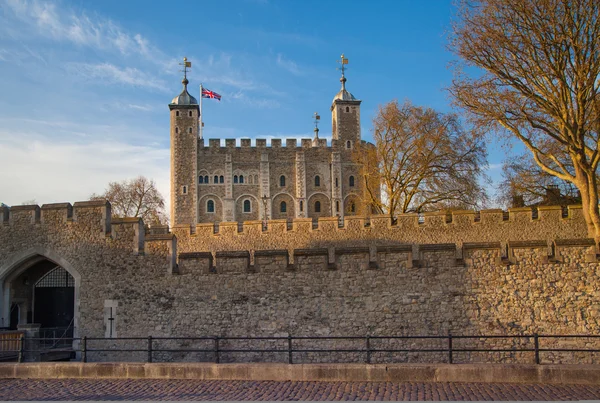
(44, 288)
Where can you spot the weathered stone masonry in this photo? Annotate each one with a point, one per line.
(486, 276)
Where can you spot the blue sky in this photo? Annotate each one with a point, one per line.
(85, 85)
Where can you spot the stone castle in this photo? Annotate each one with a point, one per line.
(75, 267)
(211, 183)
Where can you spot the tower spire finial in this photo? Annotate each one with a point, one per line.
(317, 118)
(343, 61)
(186, 65)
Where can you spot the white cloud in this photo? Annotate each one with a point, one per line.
(112, 74)
(288, 65)
(81, 29)
(50, 171)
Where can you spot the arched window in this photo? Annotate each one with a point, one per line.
(177, 130)
(216, 179)
(250, 179)
(241, 178)
(283, 207)
(176, 113)
(221, 179)
(247, 206)
(351, 181)
(317, 180)
(353, 208)
(347, 109)
(205, 178)
(317, 207)
(201, 179)
(190, 113)
(184, 189)
(337, 206)
(336, 182)
(282, 181)
(210, 206)
(301, 205)
(235, 179)
(348, 144)
(190, 130)
(256, 179)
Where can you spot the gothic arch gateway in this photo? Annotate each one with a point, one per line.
(44, 287)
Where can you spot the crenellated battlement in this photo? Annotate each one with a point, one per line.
(305, 242)
(404, 256)
(259, 144)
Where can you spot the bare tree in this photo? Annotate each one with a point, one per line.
(540, 83)
(422, 160)
(525, 183)
(137, 197)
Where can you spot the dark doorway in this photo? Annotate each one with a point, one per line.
(14, 316)
(54, 296)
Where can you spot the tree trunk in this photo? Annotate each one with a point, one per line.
(589, 202)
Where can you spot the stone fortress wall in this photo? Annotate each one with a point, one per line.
(468, 273)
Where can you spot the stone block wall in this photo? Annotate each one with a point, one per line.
(485, 276)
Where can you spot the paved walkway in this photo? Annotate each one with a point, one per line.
(154, 389)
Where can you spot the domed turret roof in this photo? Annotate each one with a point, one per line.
(184, 98)
(344, 94)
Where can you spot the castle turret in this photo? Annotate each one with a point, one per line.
(184, 156)
(345, 115)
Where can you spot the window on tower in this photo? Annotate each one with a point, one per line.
(190, 113)
(282, 181)
(201, 179)
(283, 207)
(190, 130)
(235, 179)
(348, 144)
(210, 206)
(176, 113)
(216, 179)
(317, 207)
(177, 130)
(205, 178)
(221, 179)
(317, 180)
(241, 178)
(247, 206)
(347, 109)
(351, 181)
(337, 206)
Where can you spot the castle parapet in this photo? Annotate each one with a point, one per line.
(275, 143)
(195, 263)
(24, 215)
(129, 230)
(306, 143)
(233, 262)
(4, 212)
(93, 216)
(291, 143)
(163, 245)
(230, 143)
(245, 143)
(58, 213)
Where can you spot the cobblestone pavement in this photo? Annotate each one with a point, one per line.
(153, 389)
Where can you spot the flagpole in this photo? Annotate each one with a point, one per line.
(201, 128)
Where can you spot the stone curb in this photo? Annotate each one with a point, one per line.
(485, 373)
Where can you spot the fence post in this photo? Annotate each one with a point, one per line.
(21, 348)
(216, 349)
(536, 346)
(449, 348)
(368, 341)
(290, 361)
(84, 349)
(149, 348)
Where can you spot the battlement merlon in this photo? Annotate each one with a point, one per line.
(292, 143)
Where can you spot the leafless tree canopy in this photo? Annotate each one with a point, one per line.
(526, 184)
(540, 65)
(137, 197)
(423, 160)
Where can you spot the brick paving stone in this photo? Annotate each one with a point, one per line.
(185, 389)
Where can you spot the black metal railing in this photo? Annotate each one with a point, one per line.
(289, 348)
